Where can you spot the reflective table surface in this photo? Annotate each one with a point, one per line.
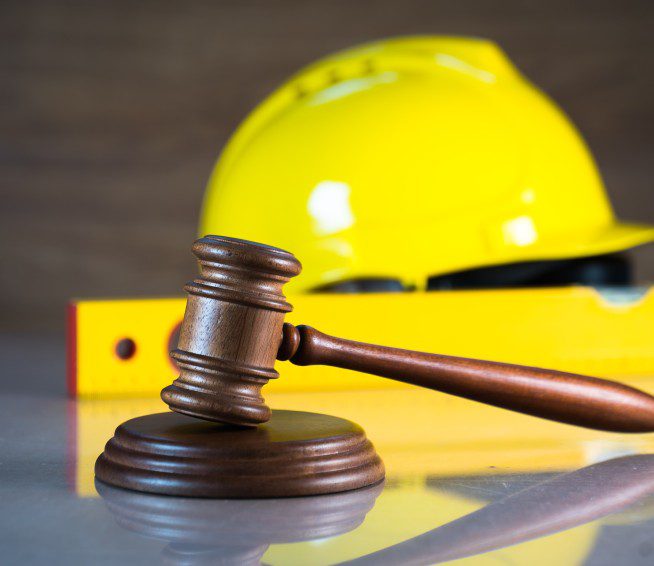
(465, 484)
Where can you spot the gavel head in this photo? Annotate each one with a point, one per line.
(231, 331)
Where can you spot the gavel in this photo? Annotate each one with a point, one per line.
(233, 331)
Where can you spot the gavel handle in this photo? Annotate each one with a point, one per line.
(555, 395)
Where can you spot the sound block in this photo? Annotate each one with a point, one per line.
(293, 454)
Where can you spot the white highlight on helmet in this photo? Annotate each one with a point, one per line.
(528, 196)
(451, 62)
(351, 86)
(520, 231)
(329, 206)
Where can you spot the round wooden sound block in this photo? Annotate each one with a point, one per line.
(295, 453)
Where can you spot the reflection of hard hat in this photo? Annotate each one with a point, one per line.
(410, 158)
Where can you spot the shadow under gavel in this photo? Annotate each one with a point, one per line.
(233, 331)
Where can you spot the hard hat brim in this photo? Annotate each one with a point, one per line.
(617, 237)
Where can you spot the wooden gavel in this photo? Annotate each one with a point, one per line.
(234, 330)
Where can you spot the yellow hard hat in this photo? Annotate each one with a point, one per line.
(409, 158)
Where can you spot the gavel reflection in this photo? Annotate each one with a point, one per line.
(203, 531)
(233, 331)
(565, 501)
(235, 531)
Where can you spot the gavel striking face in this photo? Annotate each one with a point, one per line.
(234, 330)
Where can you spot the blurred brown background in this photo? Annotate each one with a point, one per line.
(113, 113)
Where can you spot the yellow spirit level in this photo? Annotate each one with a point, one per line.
(119, 348)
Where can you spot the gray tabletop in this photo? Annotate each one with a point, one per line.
(529, 512)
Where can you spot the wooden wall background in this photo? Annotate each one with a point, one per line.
(112, 114)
